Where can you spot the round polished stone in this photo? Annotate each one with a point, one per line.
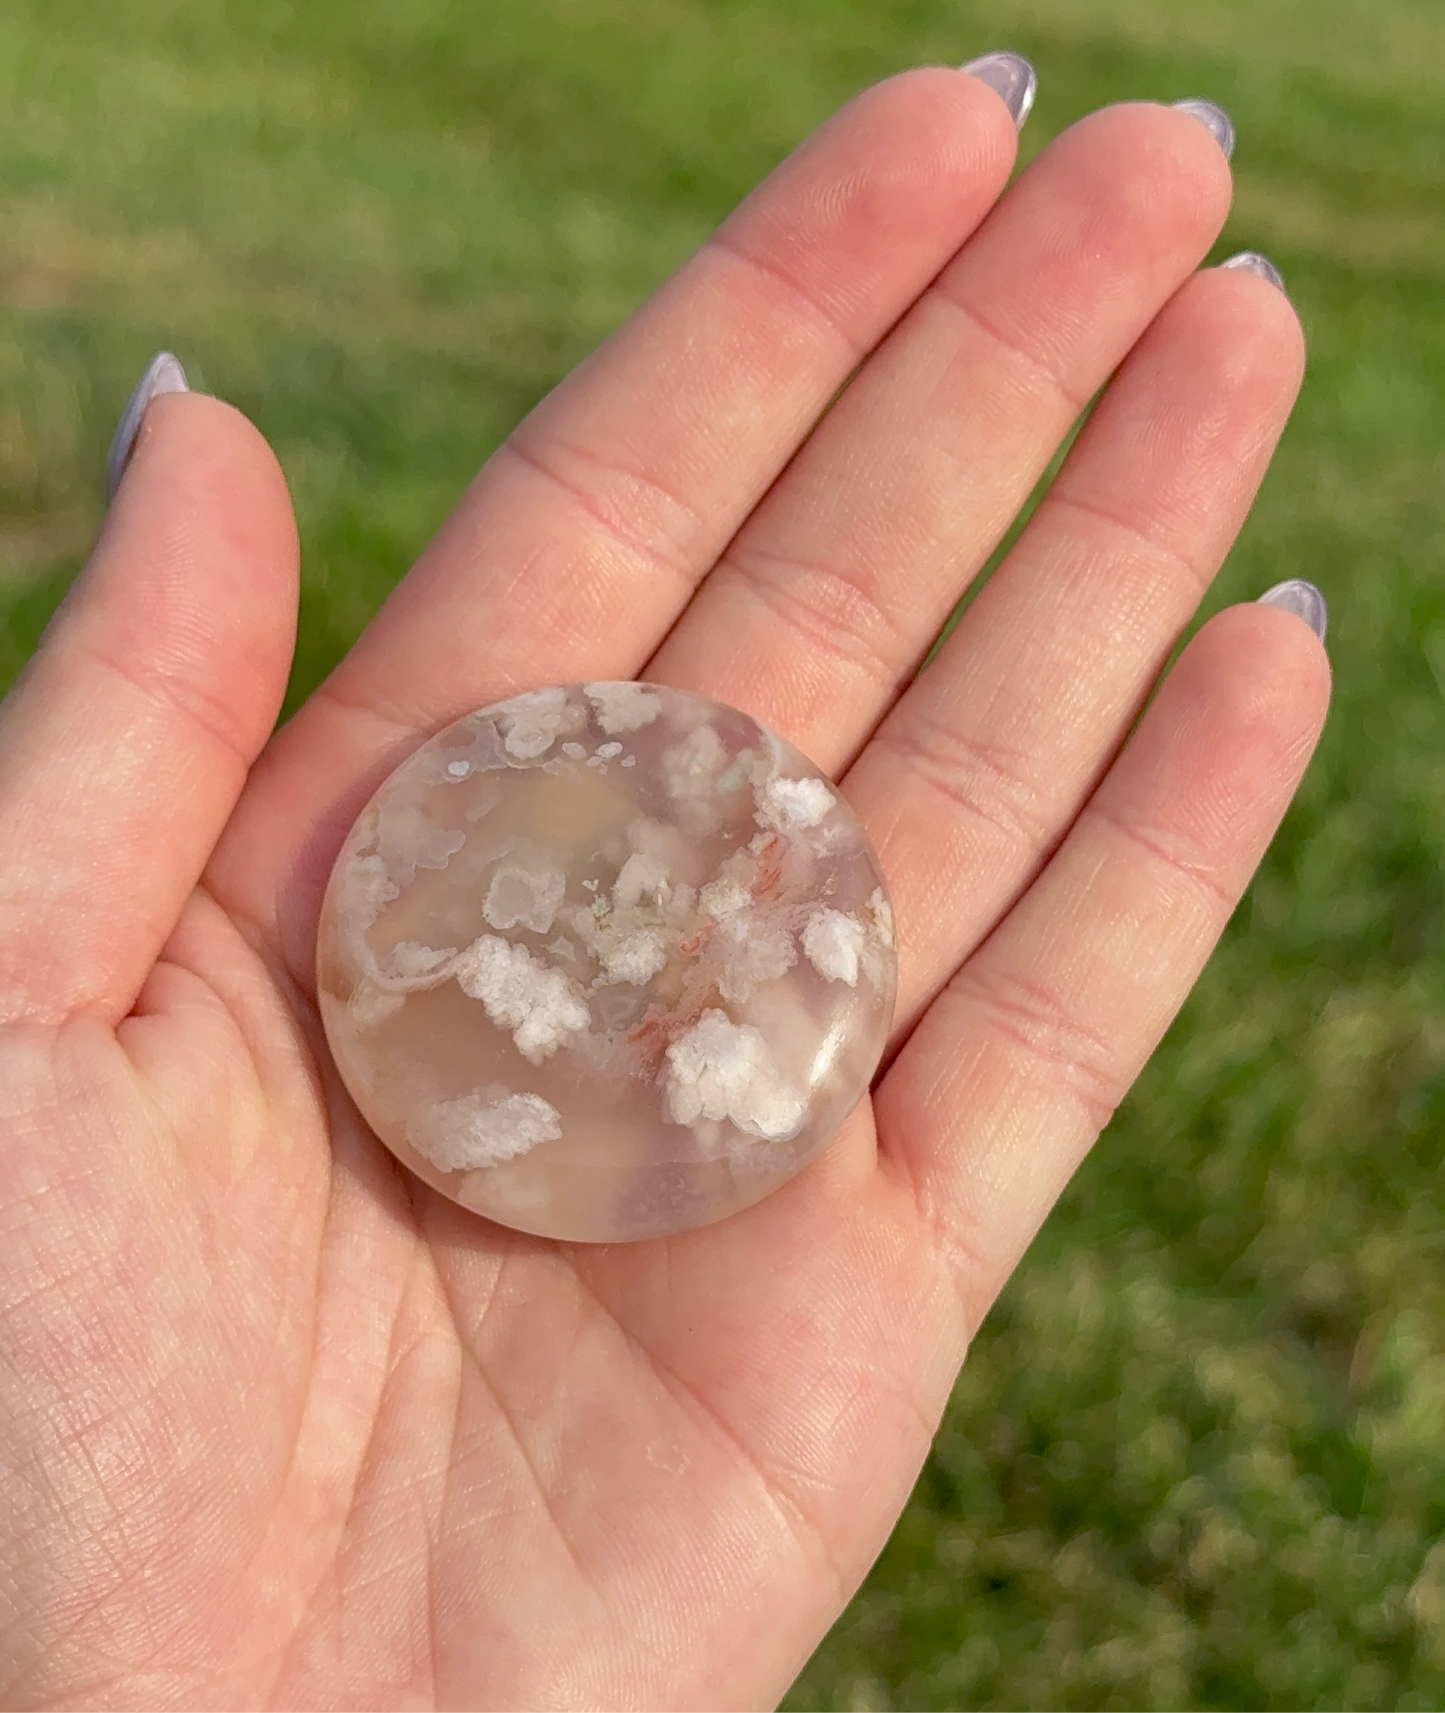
(606, 961)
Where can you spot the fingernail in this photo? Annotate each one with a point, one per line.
(1303, 600)
(164, 375)
(1214, 120)
(1251, 262)
(1009, 76)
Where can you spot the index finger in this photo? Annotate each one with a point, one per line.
(582, 539)
(580, 542)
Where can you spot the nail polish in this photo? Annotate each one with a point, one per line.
(164, 374)
(1011, 77)
(1251, 262)
(1214, 120)
(1302, 599)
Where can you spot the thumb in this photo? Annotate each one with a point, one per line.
(128, 738)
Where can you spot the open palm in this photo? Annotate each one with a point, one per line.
(278, 1423)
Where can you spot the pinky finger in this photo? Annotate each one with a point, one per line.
(1021, 1060)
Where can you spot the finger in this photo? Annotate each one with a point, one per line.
(128, 738)
(582, 538)
(840, 581)
(986, 760)
(1025, 1054)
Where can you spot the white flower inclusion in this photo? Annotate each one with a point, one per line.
(642, 875)
(459, 1135)
(722, 1069)
(636, 959)
(833, 944)
(787, 804)
(531, 723)
(523, 897)
(623, 707)
(539, 1004)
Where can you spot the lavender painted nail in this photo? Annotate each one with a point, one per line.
(1251, 262)
(1214, 120)
(1011, 77)
(1302, 599)
(164, 374)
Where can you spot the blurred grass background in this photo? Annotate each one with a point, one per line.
(1197, 1458)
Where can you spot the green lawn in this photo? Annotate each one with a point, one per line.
(1197, 1458)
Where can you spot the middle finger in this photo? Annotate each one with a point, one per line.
(831, 593)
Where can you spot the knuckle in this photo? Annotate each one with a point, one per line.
(828, 612)
(981, 781)
(1028, 1018)
(633, 512)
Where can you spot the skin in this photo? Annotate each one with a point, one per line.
(278, 1425)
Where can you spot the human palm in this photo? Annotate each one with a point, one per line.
(278, 1423)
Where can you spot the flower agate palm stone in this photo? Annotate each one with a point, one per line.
(606, 961)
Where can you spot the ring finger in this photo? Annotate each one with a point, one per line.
(983, 764)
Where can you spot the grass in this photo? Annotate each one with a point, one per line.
(1197, 1458)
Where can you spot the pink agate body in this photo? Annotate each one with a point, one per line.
(606, 961)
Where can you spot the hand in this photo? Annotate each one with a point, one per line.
(278, 1424)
